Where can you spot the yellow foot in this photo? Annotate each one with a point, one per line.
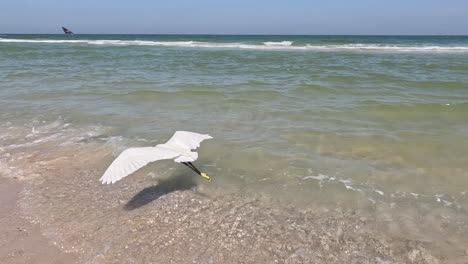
(205, 176)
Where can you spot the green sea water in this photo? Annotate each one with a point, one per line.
(372, 128)
(330, 120)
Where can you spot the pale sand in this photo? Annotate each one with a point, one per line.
(20, 241)
(179, 220)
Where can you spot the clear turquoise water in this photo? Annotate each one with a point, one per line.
(332, 120)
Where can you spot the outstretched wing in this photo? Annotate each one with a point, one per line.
(186, 140)
(132, 159)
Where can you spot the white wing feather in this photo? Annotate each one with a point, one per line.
(132, 159)
(186, 140)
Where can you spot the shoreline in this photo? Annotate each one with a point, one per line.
(22, 241)
(179, 219)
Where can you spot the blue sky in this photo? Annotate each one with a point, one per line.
(236, 16)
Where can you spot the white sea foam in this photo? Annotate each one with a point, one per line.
(348, 184)
(282, 45)
(42, 132)
(320, 177)
(351, 188)
(367, 190)
(379, 192)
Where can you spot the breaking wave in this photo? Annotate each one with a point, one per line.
(278, 44)
(281, 45)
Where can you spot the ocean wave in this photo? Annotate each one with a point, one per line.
(415, 109)
(396, 48)
(194, 93)
(282, 45)
(258, 95)
(38, 133)
(152, 94)
(375, 195)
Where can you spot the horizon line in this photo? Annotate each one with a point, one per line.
(241, 34)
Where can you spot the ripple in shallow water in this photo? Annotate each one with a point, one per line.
(179, 219)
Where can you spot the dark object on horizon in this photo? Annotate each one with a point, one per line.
(67, 31)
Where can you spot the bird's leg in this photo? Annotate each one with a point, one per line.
(204, 175)
(191, 166)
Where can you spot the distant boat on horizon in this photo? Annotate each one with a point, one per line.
(67, 31)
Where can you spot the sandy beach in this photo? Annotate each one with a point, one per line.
(181, 220)
(22, 242)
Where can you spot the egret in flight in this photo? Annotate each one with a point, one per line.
(179, 148)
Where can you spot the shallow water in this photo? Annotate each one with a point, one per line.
(373, 124)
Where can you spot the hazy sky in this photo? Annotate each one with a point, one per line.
(236, 16)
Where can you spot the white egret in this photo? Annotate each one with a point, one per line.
(178, 148)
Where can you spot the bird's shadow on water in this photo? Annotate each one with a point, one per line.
(178, 182)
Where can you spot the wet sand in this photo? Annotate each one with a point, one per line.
(171, 223)
(20, 241)
(181, 218)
